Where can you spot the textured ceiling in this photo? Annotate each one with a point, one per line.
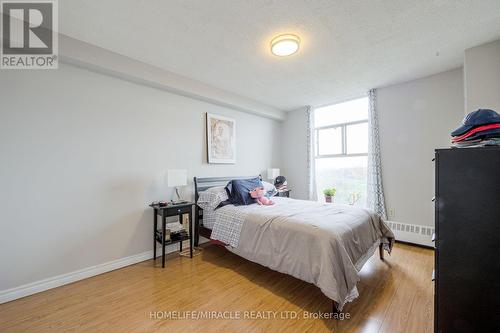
(348, 46)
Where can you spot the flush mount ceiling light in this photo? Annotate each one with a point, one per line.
(285, 45)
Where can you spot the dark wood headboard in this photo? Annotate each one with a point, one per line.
(200, 185)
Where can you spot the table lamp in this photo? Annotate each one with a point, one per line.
(272, 173)
(176, 178)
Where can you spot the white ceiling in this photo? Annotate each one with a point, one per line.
(348, 46)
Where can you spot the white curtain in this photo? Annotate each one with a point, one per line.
(376, 200)
(311, 167)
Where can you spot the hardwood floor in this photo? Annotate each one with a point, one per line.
(395, 296)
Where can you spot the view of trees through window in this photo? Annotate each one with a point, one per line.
(341, 150)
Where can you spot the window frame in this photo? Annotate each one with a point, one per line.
(343, 127)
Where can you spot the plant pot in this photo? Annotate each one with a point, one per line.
(329, 199)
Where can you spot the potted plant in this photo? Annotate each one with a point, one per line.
(329, 194)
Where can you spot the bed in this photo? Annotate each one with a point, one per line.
(323, 244)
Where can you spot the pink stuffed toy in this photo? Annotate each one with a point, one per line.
(258, 195)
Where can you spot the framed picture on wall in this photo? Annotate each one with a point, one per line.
(221, 139)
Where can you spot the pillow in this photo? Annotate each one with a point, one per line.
(212, 197)
(239, 190)
(217, 189)
(270, 189)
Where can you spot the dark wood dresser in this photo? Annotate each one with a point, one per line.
(467, 262)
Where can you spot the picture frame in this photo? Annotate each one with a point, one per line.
(221, 139)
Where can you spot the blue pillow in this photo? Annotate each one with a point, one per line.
(239, 190)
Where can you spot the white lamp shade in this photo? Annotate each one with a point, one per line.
(273, 173)
(176, 177)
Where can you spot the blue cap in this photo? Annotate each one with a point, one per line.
(477, 118)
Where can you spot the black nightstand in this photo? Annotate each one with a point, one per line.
(284, 193)
(159, 235)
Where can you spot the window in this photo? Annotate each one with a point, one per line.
(341, 150)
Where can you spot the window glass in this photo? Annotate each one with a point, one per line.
(347, 175)
(330, 141)
(348, 138)
(357, 138)
(341, 113)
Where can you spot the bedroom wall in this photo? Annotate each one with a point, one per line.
(482, 77)
(83, 154)
(415, 118)
(294, 147)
